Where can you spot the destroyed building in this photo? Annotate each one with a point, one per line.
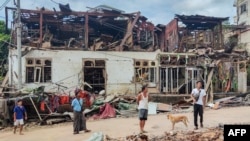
(107, 49)
(84, 48)
(218, 65)
(100, 29)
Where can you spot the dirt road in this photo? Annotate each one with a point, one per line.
(120, 127)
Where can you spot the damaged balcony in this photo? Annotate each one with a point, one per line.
(102, 28)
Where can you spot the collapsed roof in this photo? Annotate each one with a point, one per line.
(200, 22)
(100, 28)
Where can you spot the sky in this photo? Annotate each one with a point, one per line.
(157, 11)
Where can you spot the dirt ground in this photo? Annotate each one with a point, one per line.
(121, 127)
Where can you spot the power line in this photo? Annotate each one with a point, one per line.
(4, 4)
(2, 17)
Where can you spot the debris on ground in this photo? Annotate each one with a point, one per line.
(232, 101)
(97, 136)
(209, 135)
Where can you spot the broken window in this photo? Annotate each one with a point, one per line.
(38, 70)
(243, 8)
(94, 74)
(145, 72)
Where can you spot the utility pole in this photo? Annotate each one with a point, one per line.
(19, 44)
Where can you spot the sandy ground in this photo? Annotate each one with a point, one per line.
(120, 127)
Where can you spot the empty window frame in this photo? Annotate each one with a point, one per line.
(145, 71)
(38, 70)
(94, 73)
(243, 8)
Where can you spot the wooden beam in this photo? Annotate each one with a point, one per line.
(211, 99)
(6, 78)
(78, 13)
(129, 31)
(86, 31)
(41, 28)
(221, 36)
(40, 118)
(209, 81)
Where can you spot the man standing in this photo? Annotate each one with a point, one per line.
(19, 112)
(199, 99)
(79, 117)
(77, 109)
(142, 101)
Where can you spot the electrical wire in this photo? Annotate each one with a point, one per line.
(4, 4)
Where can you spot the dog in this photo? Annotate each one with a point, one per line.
(176, 119)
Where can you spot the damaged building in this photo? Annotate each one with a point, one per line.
(221, 68)
(85, 49)
(107, 49)
(102, 28)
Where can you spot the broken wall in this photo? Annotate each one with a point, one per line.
(172, 35)
(243, 40)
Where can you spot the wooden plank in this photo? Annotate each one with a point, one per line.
(211, 99)
(164, 107)
(6, 78)
(209, 81)
(86, 31)
(129, 31)
(41, 28)
(40, 118)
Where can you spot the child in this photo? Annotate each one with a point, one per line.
(19, 111)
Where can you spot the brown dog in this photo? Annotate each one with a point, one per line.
(176, 119)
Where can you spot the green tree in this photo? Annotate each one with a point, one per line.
(4, 39)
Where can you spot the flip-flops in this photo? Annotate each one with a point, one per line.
(143, 132)
(87, 130)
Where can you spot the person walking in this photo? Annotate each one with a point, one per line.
(199, 100)
(19, 113)
(142, 101)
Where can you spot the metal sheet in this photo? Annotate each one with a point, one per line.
(152, 108)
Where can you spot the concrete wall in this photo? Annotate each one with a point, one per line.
(242, 82)
(66, 66)
(244, 17)
(244, 39)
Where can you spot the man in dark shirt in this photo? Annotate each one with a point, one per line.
(19, 112)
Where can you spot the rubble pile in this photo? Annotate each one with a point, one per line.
(209, 135)
(231, 101)
(121, 106)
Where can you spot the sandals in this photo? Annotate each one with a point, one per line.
(196, 128)
(86, 131)
(143, 132)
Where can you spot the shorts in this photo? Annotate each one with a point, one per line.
(18, 122)
(143, 114)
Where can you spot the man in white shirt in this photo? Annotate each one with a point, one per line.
(199, 100)
(142, 101)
